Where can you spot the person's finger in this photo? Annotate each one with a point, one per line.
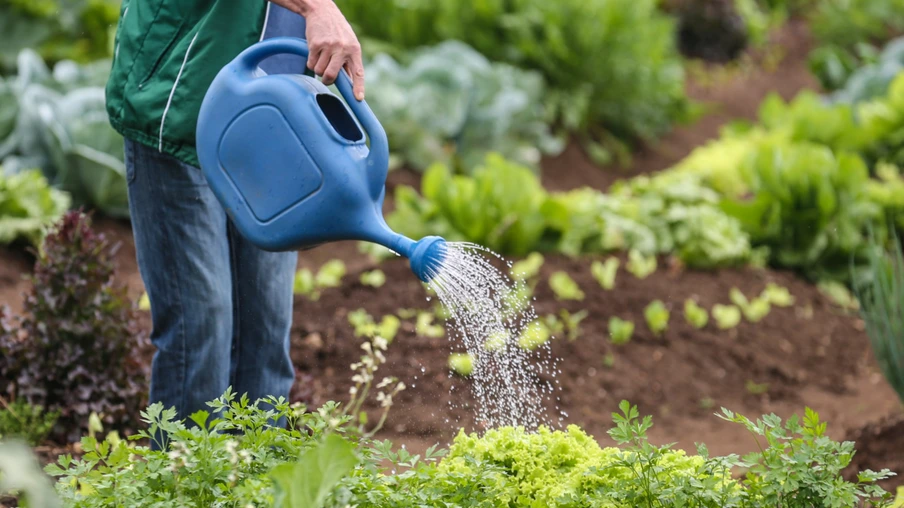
(323, 61)
(356, 72)
(313, 57)
(337, 60)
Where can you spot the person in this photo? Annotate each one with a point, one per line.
(221, 309)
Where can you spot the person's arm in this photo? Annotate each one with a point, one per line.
(331, 41)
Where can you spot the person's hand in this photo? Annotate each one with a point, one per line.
(332, 45)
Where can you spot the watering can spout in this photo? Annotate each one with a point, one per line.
(425, 256)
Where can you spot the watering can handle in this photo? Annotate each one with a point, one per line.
(378, 158)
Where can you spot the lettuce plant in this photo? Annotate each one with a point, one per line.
(694, 314)
(77, 348)
(620, 330)
(604, 273)
(657, 317)
(726, 316)
(565, 287)
(27, 206)
(461, 364)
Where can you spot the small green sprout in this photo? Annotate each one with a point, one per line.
(330, 274)
(756, 388)
(726, 316)
(604, 273)
(609, 361)
(695, 315)
(461, 364)
(754, 310)
(565, 287)
(639, 265)
(425, 328)
(657, 316)
(529, 267)
(777, 295)
(620, 330)
(534, 335)
(365, 325)
(373, 278)
(496, 341)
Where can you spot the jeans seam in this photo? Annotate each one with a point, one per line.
(235, 355)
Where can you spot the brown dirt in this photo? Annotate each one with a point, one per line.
(810, 354)
(736, 98)
(880, 445)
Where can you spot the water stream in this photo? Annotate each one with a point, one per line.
(513, 385)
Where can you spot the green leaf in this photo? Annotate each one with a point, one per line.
(373, 278)
(565, 287)
(639, 265)
(604, 273)
(620, 330)
(726, 316)
(308, 482)
(461, 364)
(529, 267)
(695, 315)
(657, 317)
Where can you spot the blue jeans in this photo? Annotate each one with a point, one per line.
(221, 308)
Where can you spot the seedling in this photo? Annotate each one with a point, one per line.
(329, 276)
(604, 273)
(373, 278)
(726, 316)
(755, 310)
(529, 267)
(461, 364)
(565, 287)
(609, 361)
(365, 326)
(756, 388)
(534, 335)
(620, 330)
(695, 315)
(657, 316)
(496, 341)
(425, 328)
(839, 295)
(777, 295)
(639, 265)
(572, 323)
(518, 298)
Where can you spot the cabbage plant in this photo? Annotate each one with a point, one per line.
(56, 121)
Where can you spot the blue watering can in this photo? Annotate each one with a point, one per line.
(290, 164)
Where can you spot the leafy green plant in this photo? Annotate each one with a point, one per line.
(497, 341)
(590, 90)
(57, 122)
(20, 473)
(479, 208)
(447, 103)
(620, 330)
(309, 481)
(808, 206)
(564, 287)
(76, 29)
(801, 466)
(565, 323)
(777, 296)
(657, 316)
(726, 316)
(754, 310)
(23, 421)
(27, 206)
(694, 314)
(605, 273)
(373, 278)
(425, 328)
(534, 335)
(365, 326)
(848, 22)
(329, 275)
(461, 364)
(639, 265)
(529, 267)
(77, 348)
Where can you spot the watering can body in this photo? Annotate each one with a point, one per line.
(289, 162)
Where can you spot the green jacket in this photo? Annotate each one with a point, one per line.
(167, 53)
